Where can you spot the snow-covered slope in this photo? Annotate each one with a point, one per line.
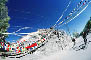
(72, 54)
(55, 44)
(60, 49)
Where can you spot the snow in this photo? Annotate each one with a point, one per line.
(72, 54)
(56, 49)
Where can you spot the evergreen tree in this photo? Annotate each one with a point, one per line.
(87, 27)
(4, 19)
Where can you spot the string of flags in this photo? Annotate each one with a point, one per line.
(74, 12)
(21, 46)
(20, 28)
(74, 16)
(77, 14)
(70, 15)
(63, 13)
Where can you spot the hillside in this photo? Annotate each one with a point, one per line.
(60, 49)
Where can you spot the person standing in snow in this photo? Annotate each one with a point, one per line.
(84, 37)
(57, 34)
(73, 40)
(88, 31)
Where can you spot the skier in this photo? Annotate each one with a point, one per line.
(84, 37)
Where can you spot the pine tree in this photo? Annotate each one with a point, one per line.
(87, 27)
(4, 19)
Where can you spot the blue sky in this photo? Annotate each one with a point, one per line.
(43, 14)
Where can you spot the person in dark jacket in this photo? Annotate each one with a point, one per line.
(84, 37)
(88, 31)
(73, 40)
(57, 34)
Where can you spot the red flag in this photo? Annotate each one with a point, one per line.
(34, 44)
(17, 41)
(17, 47)
(8, 45)
(7, 49)
(19, 51)
(43, 39)
(23, 40)
(3, 43)
(84, 3)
